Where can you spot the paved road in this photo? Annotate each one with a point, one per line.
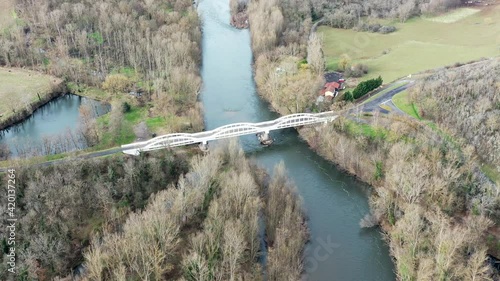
(67, 159)
(386, 98)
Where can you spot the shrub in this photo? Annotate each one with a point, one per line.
(366, 86)
(356, 70)
(116, 83)
(375, 27)
(126, 107)
(348, 96)
(387, 29)
(238, 6)
(369, 27)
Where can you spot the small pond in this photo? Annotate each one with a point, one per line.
(53, 128)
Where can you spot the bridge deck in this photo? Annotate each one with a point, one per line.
(228, 131)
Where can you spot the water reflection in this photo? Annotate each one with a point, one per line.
(335, 202)
(53, 128)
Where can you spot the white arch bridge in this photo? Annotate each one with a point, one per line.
(262, 130)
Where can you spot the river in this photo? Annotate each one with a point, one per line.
(56, 121)
(335, 202)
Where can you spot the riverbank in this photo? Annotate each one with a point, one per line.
(148, 73)
(420, 194)
(23, 92)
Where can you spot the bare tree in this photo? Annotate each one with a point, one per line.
(315, 54)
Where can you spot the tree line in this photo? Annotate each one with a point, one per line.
(207, 227)
(60, 207)
(349, 14)
(363, 88)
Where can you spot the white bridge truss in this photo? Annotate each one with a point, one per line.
(228, 131)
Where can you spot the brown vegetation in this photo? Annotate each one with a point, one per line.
(239, 15)
(431, 197)
(466, 101)
(151, 47)
(289, 64)
(348, 14)
(146, 220)
(60, 207)
(286, 229)
(228, 246)
(207, 228)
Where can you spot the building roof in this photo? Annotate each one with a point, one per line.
(332, 85)
(332, 76)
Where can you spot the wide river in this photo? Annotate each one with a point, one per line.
(335, 202)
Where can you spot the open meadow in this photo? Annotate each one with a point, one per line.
(419, 44)
(20, 87)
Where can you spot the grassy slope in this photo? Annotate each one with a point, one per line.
(402, 102)
(20, 85)
(419, 44)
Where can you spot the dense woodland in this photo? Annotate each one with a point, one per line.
(472, 111)
(281, 44)
(146, 46)
(438, 209)
(160, 217)
(435, 205)
(61, 206)
(349, 14)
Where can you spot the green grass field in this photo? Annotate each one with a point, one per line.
(491, 173)
(20, 87)
(419, 44)
(357, 129)
(402, 101)
(130, 119)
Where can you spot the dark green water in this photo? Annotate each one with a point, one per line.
(335, 202)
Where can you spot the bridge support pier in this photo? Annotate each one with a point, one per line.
(203, 146)
(264, 138)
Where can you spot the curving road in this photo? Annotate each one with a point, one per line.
(384, 99)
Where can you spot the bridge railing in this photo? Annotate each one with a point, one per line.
(227, 131)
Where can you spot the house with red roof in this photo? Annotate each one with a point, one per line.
(331, 89)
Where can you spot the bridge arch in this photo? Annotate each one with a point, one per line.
(227, 131)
